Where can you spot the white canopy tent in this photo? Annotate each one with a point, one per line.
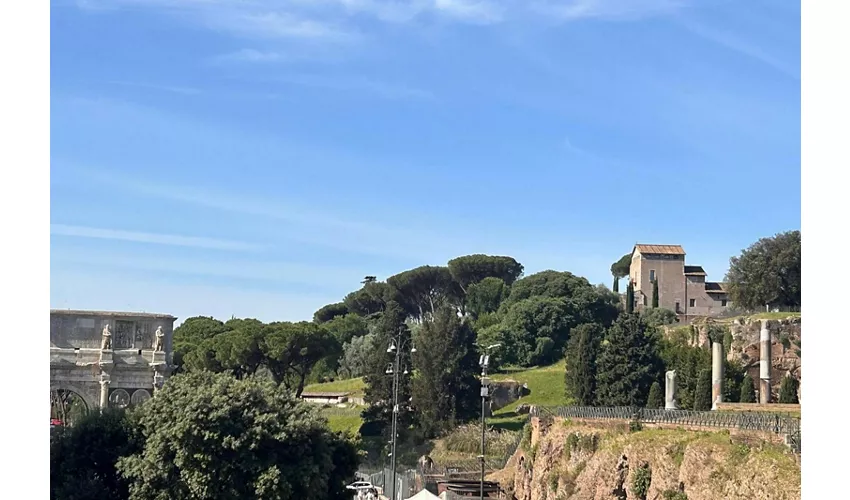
(424, 495)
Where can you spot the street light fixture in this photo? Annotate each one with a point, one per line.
(396, 347)
(484, 362)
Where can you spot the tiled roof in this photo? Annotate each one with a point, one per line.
(713, 287)
(694, 271)
(76, 312)
(660, 249)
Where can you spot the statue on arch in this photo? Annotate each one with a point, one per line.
(158, 344)
(106, 342)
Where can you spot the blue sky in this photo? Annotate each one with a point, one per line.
(257, 158)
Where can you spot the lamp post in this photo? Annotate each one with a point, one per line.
(396, 346)
(484, 362)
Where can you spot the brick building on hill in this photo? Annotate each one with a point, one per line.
(681, 288)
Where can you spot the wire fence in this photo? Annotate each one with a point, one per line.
(406, 482)
(765, 422)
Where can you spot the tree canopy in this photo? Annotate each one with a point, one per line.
(628, 363)
(471, 269)
(83, 458)
(330, 311)
(215, 437)
(768, 273)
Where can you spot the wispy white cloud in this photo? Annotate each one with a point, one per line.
(572, 10)
(359, 85)
(251, 56)
(151, 238)
(737, 44)
(152, 86)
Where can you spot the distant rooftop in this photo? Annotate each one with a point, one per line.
(660, 249)
(694, 271)
(324, 394)
(78, 312)
(714, 287)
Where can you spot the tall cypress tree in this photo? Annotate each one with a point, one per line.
(628, 364)
(656, 398)
(748, 391)
(445, 390)
(616, 287)
(788, 391)
(378, 393)
(630, 298)
(655, 293)
(702, 394)
(582, 352)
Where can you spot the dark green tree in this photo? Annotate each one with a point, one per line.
(530, 323)
(620, 269)
(423, 289)
(378, 393)
(659, 316)
(748, 391)
(212, 436)
(788, 390)
(628, 363)
(702, 394)
(656, 397)
(580, 376)
(688, 361)
(655, 297)
(486, 296)
(83, 457)
(191, 333)
(616, 287)
(471, 269)
(630, 299)
(330, 311)
(733, 377)
(445, 389)
(371, 299)
(767, 273)
(291, 351)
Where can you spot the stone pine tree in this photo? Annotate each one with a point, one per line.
(445, 390)
(655, 294)
(748, 390)
(628, 363)
(630, 298)
(656, 398)
(378, 393)
(702, 394)
(788, 391)
(582, 352)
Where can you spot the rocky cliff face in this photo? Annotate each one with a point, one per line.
(565, 460)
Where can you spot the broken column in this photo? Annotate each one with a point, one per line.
(716, 374)
(764, 363)
(670, 390)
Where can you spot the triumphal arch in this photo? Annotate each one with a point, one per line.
(117, 359)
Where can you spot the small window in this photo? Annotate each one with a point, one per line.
(723, 303)
(644, 300)
(692, 303)
(652, 275)
(678, 307)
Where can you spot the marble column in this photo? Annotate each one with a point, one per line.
(764, 363)
(716, 374)
(104, 391)
(670, 391)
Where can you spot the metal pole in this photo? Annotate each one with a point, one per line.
(483, 427)
(395, 411)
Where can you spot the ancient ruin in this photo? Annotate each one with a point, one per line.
(106, 358)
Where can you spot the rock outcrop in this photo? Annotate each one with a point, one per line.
(564, 460)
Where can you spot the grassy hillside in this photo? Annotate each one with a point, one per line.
(546, 384)
(353, 385)
(344, 419)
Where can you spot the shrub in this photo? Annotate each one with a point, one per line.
(656, 398)
(641, 481)
(788, 391)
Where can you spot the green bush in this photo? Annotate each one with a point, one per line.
(788, 391)
(641, 481)
(674, 495)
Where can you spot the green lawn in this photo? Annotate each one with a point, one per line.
(353, 385)
(344, 419)
(546, 384)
